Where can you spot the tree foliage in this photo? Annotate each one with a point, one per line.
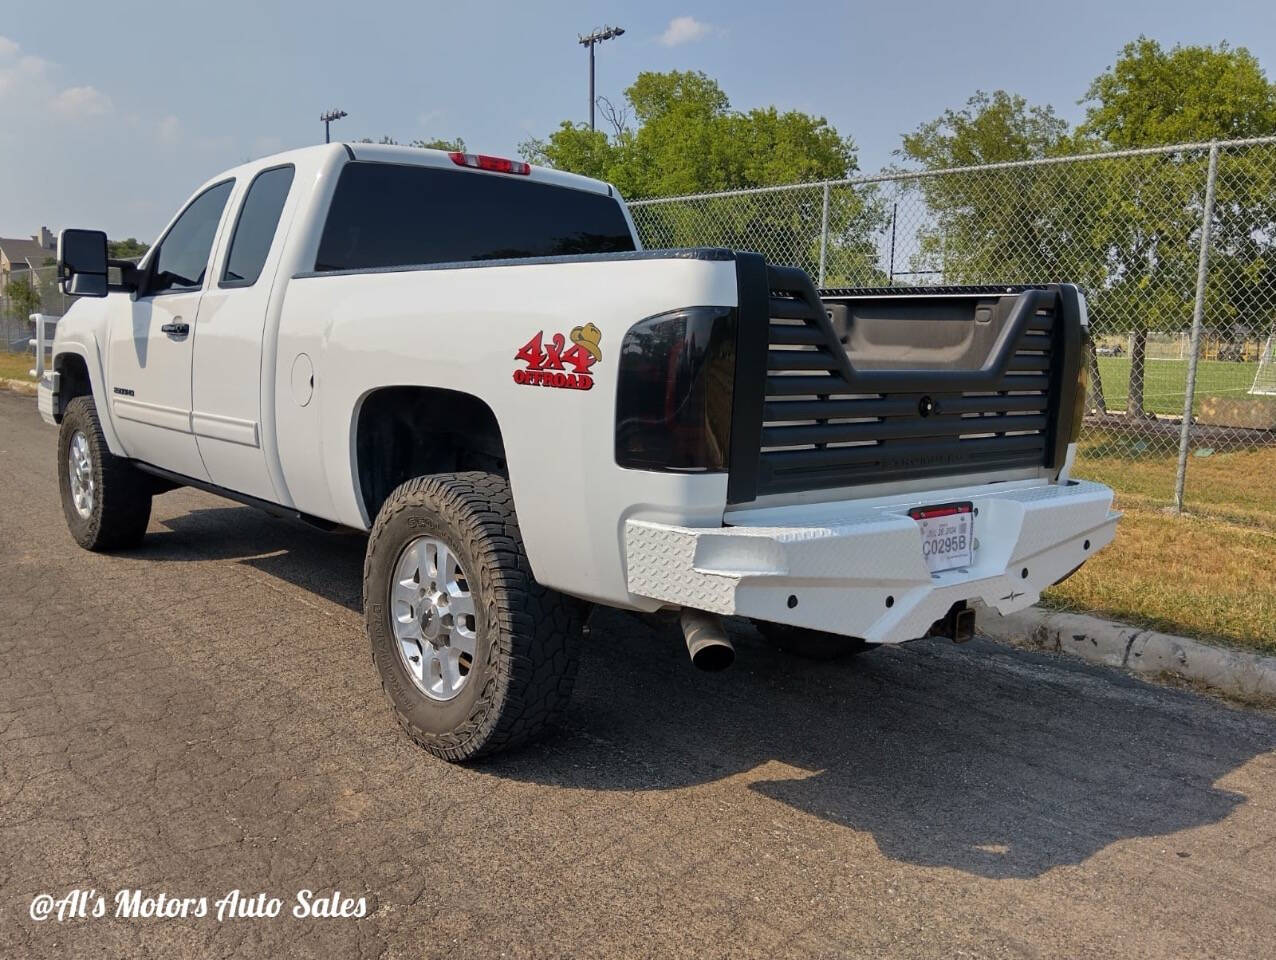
(23, 296)
(689, 140)
(1015, 225)
(1128, 228)
(129, 249)
(1147, 223)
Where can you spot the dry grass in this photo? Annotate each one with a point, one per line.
(14, 366)
(1210, 573)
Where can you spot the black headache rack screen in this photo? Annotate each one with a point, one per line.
(892, 384)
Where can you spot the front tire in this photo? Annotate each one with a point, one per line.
(810, 644)
(475, 656)
(106, 501)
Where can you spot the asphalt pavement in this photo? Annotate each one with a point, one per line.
(201, 715)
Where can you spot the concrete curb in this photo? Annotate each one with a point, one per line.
(1132, 648)
(26, 387)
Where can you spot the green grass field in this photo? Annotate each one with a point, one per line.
(1165, 382)
(1209, 573)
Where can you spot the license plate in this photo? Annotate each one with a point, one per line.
(948, 535)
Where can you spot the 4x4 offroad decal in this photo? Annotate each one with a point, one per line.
(548, 361)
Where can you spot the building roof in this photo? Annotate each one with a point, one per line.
(19, 252)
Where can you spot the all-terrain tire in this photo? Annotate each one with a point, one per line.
(528, 638)
(810, 644)
(120, 493)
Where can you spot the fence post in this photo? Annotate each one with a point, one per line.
(1198, 316)
(824, 235)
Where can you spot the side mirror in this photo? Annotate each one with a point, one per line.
(82, 263)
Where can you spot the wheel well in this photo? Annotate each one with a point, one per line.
(73, 380)
(406, 432)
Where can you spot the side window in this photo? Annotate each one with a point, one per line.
(255, 229)
(182, 257)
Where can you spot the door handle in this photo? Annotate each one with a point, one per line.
(176, 329)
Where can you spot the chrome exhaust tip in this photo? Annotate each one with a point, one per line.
(707, 640)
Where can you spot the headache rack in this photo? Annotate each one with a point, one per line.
(828, 417)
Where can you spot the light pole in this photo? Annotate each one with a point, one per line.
(327, 118)
(598, 36)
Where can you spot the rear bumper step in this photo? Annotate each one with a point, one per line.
(858, 570)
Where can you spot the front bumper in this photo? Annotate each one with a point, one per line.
(856, 568)
(46, 396)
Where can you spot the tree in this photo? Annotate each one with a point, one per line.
(1019, 224)
(997, 127)
(993, 227)
(130, 249)
(23, 296)
(1148, 223)
(689, 140)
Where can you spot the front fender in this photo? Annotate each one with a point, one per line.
(82, 333)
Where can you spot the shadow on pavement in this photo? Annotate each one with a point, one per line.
(327, 563)
(994, 762)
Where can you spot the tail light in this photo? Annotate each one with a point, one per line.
(673, 391)
(481, 161)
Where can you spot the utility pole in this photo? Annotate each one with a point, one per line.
(327, 119)
(598, 36)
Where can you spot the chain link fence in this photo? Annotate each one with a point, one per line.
(1175, 248)
(23, 293)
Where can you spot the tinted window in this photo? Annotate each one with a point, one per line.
(183, 253)
(255, 229)
(386, 215)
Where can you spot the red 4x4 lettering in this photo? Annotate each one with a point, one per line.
(539, 355)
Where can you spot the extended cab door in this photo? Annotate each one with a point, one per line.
(226, 407)
(151, 338)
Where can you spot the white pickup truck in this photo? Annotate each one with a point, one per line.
(476, 361)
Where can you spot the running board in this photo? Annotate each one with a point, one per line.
(265, 506)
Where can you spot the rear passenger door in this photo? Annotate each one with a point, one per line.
(227, 399)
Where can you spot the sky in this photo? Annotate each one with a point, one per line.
(111, 113)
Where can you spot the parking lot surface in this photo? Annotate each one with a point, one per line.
(201, 715)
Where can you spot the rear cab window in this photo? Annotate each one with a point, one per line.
(393, 215)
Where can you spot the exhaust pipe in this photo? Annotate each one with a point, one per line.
(958, 625)
(707, 640)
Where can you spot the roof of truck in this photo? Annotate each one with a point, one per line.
(417, 156)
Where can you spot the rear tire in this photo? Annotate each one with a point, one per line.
(475, 656)
(106, 500)
(810, 644)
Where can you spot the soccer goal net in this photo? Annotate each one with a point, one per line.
(1265, 377)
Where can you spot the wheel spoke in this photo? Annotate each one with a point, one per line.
(442, 567)
(430, 603)
(406, 595)
(463, 639)
(451, 670)
(418, 564)
(459, 604)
